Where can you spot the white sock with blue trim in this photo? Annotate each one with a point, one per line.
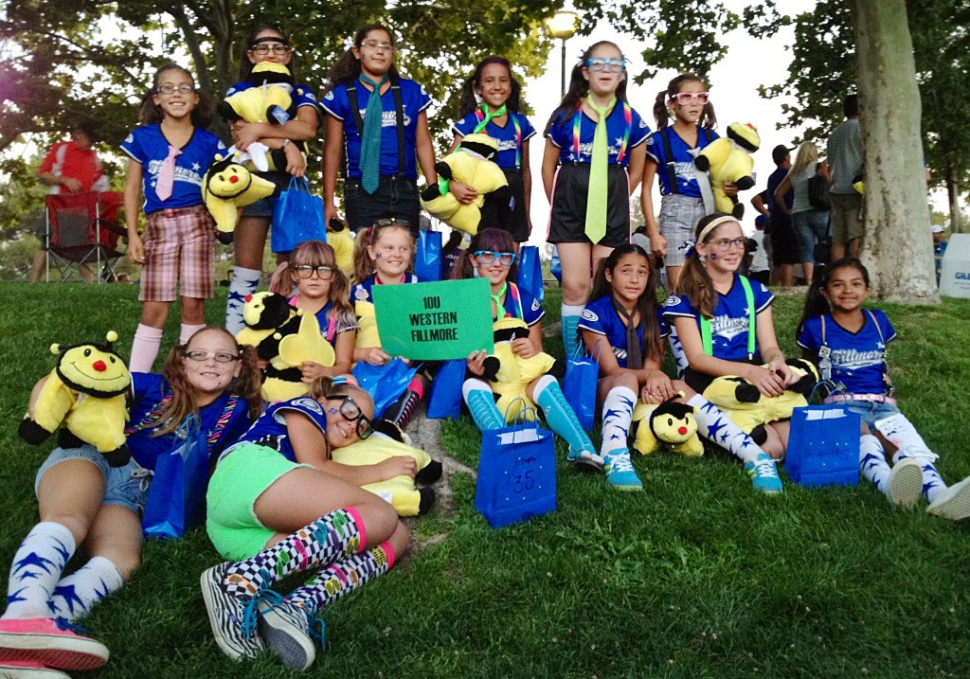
(872, 462)
(36, 568)
(244, 282)
(75, 595)
(717, 427)
(617, 416)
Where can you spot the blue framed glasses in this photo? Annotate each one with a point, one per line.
(486, 257)
(600, 64)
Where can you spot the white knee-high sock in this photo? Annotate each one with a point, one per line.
(244, 282)
(902, 434)
(144, 348)
(75, 595)
(617, 416)
(37, 566)
(187, 331)
(716, 426)
(872, 463)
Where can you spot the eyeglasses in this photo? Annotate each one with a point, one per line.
(219, 356)
(375, 45)
(264, 49)
(169, 89)
(683, 98)
(307, 271)
(487, 257)
(351, 412)
(612, 65)
(724, 244)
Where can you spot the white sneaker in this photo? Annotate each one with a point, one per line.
(905, 483)
(953, 503)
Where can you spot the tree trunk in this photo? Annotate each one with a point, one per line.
(953, 194)
(897, 246)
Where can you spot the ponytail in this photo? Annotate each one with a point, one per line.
(579, 88)
(815, 302)
(347, 68)
(468, 102)
(707, 119)
(694, 282)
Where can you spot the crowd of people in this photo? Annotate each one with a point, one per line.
(277, 503)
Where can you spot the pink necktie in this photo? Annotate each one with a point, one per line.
(166, 175)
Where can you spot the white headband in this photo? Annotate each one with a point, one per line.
(705, 232)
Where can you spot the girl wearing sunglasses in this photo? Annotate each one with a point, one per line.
(670, 158)
(490, 256)
(323, 289)
(279, 505)
(592, 164)
(266, 43)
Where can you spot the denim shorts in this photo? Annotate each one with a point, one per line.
(264, 206)
(125, 486)
(869, 411)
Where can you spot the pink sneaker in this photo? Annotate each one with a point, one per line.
(17, 669)
(51, 642)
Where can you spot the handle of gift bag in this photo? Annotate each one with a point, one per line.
(299, 184)
(524, 410)
(580, 352)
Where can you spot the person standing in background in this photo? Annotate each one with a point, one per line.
(845, 160)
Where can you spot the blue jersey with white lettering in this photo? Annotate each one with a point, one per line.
(858, 358)
(683, 159)
(149, 147)
(507, 136)
(519, 303)
(729, 327)
(413, 100)
(600, 317)
(362, 292)
(561, 134)
(270, 429)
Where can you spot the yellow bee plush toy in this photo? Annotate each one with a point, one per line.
(509, 374)
(728, 159)
(85, 393)
(669, 425)
(471, 164)
(228, 186)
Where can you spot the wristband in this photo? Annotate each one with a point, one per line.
(286, 142)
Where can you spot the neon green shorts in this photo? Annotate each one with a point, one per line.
(239, 480)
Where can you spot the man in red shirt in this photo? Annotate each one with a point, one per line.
(71, 167)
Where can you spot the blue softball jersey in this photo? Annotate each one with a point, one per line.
(683, 158)
(600, 317)
(858, 358)
(561, 134)
(362, 291)
(507, 136)
(270, 429)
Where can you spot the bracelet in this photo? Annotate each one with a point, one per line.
(286, 142)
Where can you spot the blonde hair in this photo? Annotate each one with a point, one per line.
(363, 266)
(807, 154)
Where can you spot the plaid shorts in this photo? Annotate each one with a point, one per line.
(179, 249)
(679, 215)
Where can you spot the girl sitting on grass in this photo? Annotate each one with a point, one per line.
(849, 345)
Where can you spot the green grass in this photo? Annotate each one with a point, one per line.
(696, 577)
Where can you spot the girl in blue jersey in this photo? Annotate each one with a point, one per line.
(279, 505)
(625, 313)
(670, 157)
(712, 300)
(323, 290)
(849, 345)
(490, 256)
(168, 155)
(592, 163)
(380, 166)
(489, 105)
(266, 43)
(85, 502)
(383, 255)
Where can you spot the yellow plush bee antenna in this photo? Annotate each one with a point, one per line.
(112, 336)
(55, 348)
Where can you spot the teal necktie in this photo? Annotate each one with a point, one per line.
(370, 137)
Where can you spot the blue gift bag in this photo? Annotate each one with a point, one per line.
(530, 271)
(823, 446)
(177, 494)
(555, 266)
(579, 386)
(427, 257)
(384, 383)
(297, 217)
(516, 474)
(444, 400)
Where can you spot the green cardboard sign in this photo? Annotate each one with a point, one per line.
(434, 321)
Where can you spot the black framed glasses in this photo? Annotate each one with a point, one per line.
(219, 356)
(171, 89)
(306, 271)
(264, 49)
(724, 244)
(486, 257)
(351, 412)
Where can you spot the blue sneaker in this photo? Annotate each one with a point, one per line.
(764, 474)
(619, 471)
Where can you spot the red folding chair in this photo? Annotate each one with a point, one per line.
(82, 232)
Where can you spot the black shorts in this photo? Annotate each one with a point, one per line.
(568, 220)
(784, 243)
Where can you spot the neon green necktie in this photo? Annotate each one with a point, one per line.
(488, 117)
(596, 197)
